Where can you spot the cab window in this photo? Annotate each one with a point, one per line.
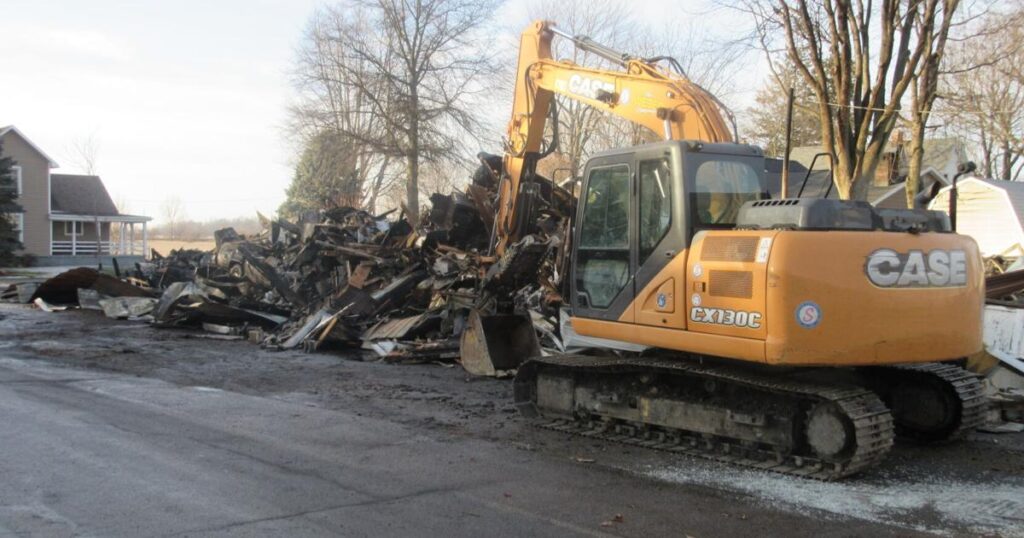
(721, 187)
(603, 254)
(655, 204)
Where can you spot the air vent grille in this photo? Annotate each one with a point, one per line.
(771, 203)
(736, 284)
(729, 249)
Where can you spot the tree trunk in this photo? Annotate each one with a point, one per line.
(376, 184)
(1007, 165)
(915, 159)
(919, 120)
(412, 184)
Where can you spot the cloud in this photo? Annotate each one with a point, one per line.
(67, 43)
(87, 42)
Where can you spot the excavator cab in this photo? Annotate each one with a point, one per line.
(639, 209)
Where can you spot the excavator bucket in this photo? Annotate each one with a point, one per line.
(496, 345)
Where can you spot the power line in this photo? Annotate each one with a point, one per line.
(876, 109)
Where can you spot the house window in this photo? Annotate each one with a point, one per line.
(16, 179)
(21, 228)
(73, 227)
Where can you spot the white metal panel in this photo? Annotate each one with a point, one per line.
(1004, 335)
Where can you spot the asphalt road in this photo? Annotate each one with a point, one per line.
(95, 454)
(118, 429)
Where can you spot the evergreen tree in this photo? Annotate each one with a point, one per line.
(9, 208)
(325, 177)
(768, 116)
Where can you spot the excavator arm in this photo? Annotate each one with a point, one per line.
(666, 103)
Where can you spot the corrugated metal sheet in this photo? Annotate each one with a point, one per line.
(395, 328)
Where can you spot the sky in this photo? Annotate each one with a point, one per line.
(184, 99)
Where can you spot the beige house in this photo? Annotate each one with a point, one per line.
(68, 219)
(989, 210)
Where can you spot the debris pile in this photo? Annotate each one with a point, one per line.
(1002, 360)
(344, 278)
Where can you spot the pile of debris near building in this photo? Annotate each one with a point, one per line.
(341, 278)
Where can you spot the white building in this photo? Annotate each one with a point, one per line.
(990, 211)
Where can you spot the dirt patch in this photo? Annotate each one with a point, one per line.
(165, 246)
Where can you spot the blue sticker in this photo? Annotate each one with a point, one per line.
(808, 314)
(662, 301)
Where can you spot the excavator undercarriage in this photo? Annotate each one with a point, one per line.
(815, 423)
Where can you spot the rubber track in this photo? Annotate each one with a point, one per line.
(873, 424)
(969, 389)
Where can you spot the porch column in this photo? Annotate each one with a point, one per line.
(145, 241)
(131, 237)
(121, 229)
(74, 237)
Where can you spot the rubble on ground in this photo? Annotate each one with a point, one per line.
(1001, 362)
(342, 278)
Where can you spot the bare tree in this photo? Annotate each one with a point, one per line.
(122, 204)
(83, 152)
(609, 22)
(932, 31)
(983, 97)
(411, 67)
(173, 212)
(331, 101)
(859, 59)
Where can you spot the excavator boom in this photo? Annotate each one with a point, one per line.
(666, 103)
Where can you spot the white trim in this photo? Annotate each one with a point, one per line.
(77, 227)
(59, 217)
(19, 187)
(13, 129)
(21, 229)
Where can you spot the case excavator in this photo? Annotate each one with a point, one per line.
(797, 335)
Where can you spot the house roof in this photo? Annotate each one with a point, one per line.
(13, 129)
(817, 182)
(1014, 192)
(937, 152)
(80, 195)
(805, 156)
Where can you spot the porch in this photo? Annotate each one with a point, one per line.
(93, 235)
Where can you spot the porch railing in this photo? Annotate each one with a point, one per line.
(64, 248)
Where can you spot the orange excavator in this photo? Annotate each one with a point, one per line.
(796, 335)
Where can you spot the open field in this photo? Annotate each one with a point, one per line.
(165, 246)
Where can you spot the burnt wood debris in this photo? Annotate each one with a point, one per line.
(380, 285)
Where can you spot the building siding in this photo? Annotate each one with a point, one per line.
(88, 231)
(985, 213)
(35, 194)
